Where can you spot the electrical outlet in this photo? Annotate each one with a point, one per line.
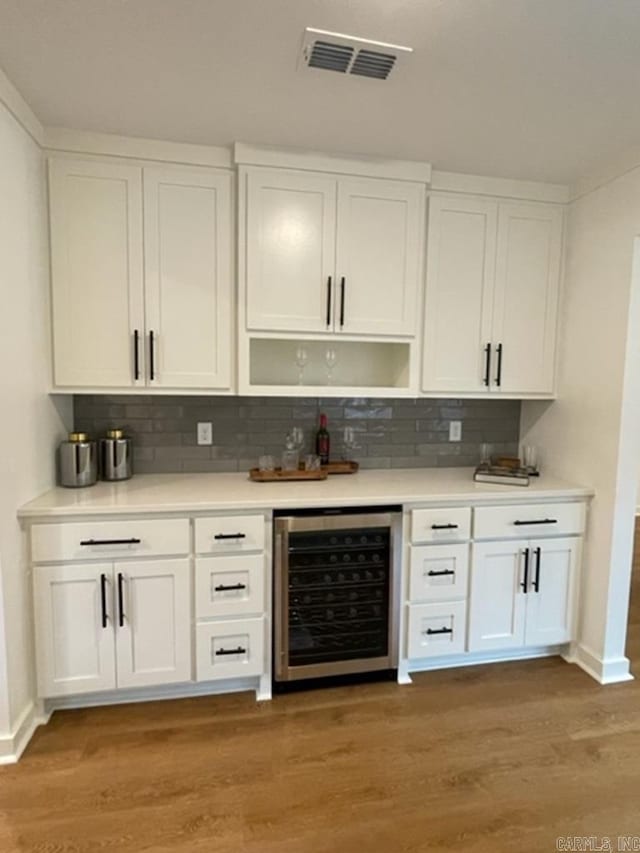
(205, 432)
(455, 430)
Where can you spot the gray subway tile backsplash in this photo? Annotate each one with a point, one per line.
(389, 433)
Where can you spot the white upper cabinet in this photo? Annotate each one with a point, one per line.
(187, 220)
(133, 305)
(458, 307)
(290, 250)
(325, 253)
(379, 256)
(97, 272)
(526, 295)
(493, 279)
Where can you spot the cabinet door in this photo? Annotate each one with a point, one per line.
(153, 622)
(96, 264)
(526, 295)
(497, 601)
(550, 600)
(459, 293)
(290, 250)
(188, 287)
(74, 642)
(379, 256)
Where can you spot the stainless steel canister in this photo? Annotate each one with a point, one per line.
(115, 456)
(77, 461)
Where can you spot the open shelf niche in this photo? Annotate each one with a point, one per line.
(381, 368)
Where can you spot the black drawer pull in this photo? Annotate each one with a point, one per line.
(121, 615)
(230, 536)
(132, 541)
(433, 574)
(431, 631)
(224, 588)
(537, 521)
(536, 582)
(238, 651)
(444, 526)
(487, 365)
(525, 582)
(103, 599)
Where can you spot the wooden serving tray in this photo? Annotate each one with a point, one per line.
(280, 476)
(344, 467)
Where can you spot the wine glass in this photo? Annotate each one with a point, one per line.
(301, 360)
(331, 357)
(348, 442)
(297, 436)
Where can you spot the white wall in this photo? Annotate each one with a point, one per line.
(591, 434)
(31, 423)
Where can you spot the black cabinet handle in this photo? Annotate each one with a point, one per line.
(536, 521)
(152, 361)
(227, 587)
(136, 354)
(230, 536)
(444, 526)
(328, 302)
(438, 574)
(499, 371)
(487, 365)
(342, 281)
(120, 599)
(525, 582)
(431, 631)
(103, 599)
(238, 651)
(132, 541)
(536, 582)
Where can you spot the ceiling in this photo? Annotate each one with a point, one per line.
(539, 89)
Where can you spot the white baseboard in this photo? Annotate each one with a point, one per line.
(13, 745)
(611, 671)
(477, 658)
(153, 694)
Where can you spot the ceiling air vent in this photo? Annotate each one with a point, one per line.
(350, 54)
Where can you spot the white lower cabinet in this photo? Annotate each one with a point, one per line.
(438, 582)
(437, 629)
(102, 626)
(153, 631)
(74, 629)
(230, 649)
(229, 585)
(523, 593)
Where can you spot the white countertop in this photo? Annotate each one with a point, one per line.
(185, 493)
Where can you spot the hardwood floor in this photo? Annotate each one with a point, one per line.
(486, 759)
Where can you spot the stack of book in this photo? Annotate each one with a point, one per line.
(501, 474)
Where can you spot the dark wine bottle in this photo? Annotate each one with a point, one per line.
(323, 441)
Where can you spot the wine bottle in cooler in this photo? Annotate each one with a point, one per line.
(323, 441)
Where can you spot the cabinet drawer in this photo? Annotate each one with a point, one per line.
(88, 540)
(437, 629)
(441, 525)
(231, 649)
(438, 572)
(229, 534)
(529, 520)
(229, 585)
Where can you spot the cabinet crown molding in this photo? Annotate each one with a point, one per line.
(59, 140)
(504, 188)
(320, 161)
